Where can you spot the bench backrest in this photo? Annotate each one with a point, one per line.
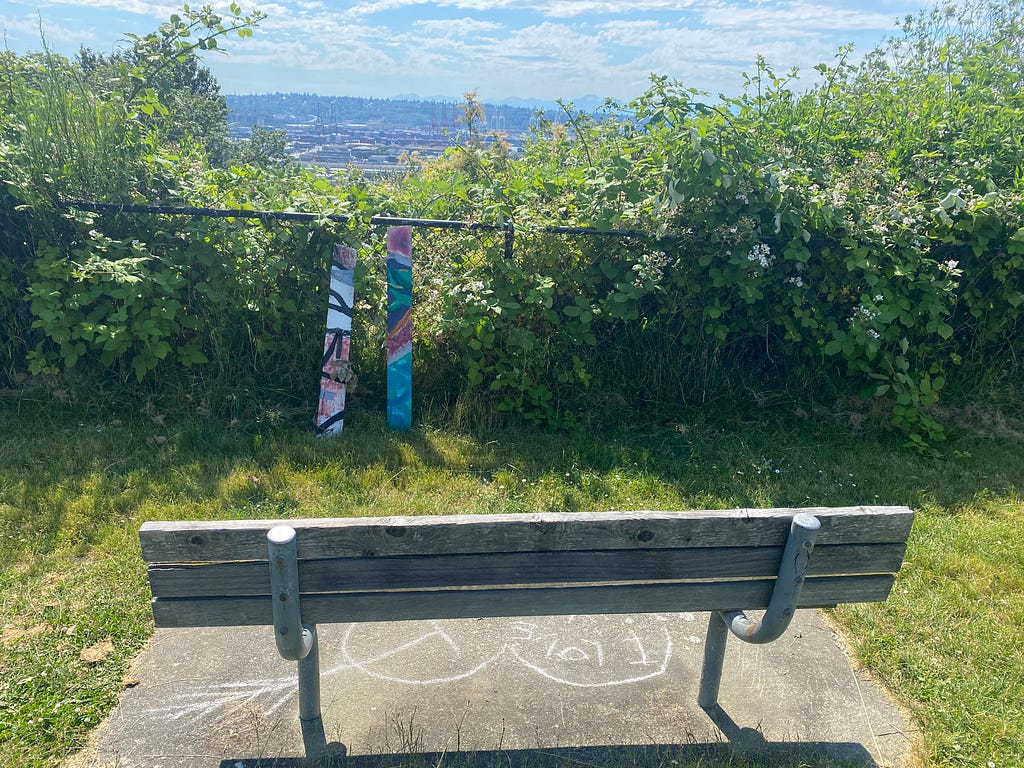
(463, 566)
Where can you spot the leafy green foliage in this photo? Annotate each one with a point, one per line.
(844, 239)
(263, 147)
(124, 298)
(864, 237)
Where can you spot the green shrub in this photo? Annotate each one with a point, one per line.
(864, 237)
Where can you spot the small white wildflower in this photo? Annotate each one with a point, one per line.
(873, 333)
(761, 253)
(650, 267)
(742, 196)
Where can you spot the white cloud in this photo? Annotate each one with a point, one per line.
(457, 27)
(340, 49)
(30, 26)
(380, 6)
(552, 8)
(138, 7)
(794, 19)
(528, 48)
(577, 8)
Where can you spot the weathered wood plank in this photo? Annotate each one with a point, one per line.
(418, 572)
(486, 603)
(184, 541)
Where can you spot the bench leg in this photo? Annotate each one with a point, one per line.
(310, 719)
(714, 657)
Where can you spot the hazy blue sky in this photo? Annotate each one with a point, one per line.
(500, 48)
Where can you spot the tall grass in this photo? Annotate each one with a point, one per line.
(71, 140)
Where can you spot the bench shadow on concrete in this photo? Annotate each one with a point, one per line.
(796, 754)
(745, 747)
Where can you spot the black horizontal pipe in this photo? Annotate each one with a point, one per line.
(508, 227)
(227, 213)
(396, 221)
(214, 213)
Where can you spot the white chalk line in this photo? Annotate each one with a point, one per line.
(194, 706)
(436, 632)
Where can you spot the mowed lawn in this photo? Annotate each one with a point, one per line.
(77, 481)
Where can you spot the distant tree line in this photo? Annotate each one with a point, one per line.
(266, 108)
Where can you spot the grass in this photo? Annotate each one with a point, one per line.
(77, 480)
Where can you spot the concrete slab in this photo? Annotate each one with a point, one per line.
(603, 690)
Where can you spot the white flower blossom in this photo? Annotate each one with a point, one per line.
(949, 266)
(651, 268)
(761, 253)
(864, 313)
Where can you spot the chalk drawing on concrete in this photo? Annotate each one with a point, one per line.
(197, 706)
(587, 653)
(458, 659)
(576, 651)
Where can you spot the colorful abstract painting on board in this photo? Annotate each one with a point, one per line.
(400, 327)
(335, 371)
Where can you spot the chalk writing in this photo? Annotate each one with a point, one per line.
(576, 651)
(593, 652)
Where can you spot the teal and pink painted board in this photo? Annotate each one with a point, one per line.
(399, 372)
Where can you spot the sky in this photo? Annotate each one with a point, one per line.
(526, 49)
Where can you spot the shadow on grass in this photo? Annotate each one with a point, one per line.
(69, 472)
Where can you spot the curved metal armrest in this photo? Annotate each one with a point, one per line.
(802, 534)
(294, 640)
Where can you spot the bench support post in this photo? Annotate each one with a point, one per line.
(310, 720)
(802, 534)
(714, 657)
(296, 641)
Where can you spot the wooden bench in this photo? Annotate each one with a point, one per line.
(318, 571)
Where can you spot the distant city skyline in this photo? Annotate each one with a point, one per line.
(502, 49)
